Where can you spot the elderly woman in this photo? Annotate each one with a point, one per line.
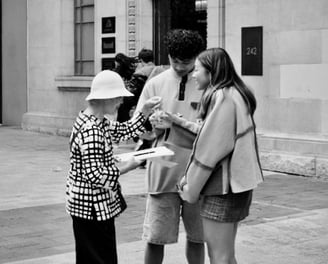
(94, 196)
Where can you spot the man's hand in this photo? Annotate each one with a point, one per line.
(173, 118)
(158, 120)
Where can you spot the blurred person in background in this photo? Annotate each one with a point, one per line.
(125, 66)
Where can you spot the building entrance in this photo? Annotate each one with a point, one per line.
(172, 14)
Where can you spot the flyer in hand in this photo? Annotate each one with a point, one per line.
(145, 154)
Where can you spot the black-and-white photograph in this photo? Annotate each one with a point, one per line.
(164, 132)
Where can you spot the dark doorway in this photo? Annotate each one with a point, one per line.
(172, 14)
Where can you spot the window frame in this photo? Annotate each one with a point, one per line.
(78, 39)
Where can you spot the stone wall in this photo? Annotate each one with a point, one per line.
(14, 61)
(292, 114)
(55, 95)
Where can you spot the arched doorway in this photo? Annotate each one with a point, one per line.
(171, 14)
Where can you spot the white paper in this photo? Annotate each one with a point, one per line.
(145, 154)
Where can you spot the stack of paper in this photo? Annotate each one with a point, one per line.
(145, 154)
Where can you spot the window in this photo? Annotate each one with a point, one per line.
(84, 37)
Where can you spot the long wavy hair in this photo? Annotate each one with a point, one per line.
(223, 74)
(126, 65)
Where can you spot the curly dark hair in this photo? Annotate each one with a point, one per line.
(184, 44)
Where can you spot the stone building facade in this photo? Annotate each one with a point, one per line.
(41, 90)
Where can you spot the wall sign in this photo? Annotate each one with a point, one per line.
(107, 64)
(108, 45)
(251, 51)
(108, 25)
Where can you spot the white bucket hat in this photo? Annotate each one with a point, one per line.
(107, 84)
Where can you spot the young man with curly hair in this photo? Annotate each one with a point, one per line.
(164, 207)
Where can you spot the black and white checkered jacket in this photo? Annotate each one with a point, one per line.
(92, 183)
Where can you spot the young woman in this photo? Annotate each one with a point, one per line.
(224, 166)
(93, 193)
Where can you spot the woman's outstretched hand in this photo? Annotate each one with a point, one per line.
(151, 104)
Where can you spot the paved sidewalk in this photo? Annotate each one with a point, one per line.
(287, 225)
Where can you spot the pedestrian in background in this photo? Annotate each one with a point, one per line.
(140, 76)
(125, 66)
(145, 68)
(224, 165)
(146, 62)
(93, 192)
(164, 207)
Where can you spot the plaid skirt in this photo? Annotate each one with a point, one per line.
(231, 207)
